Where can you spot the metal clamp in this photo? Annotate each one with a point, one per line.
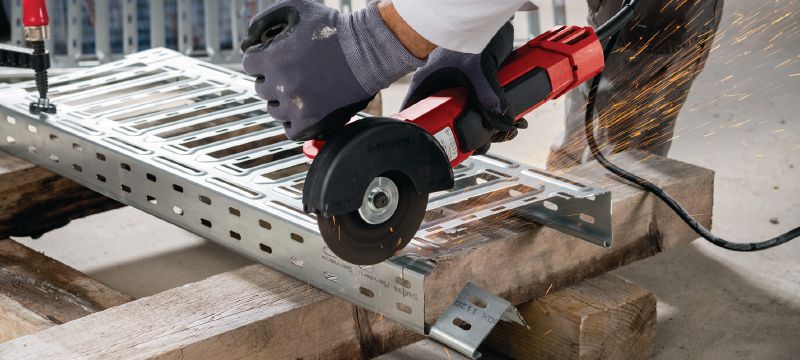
(470, 319)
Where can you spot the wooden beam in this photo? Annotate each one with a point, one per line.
(37, 292)
(256, 312)
(34, 200)
(253, 312)
(600, 318)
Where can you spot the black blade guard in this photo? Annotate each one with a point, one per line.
(337, 185)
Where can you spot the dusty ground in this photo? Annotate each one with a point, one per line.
(716, 304)
(713, 304)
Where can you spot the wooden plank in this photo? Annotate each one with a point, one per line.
(255, 312)
(600, 318)
(34, 200)
(16, 320)
(38, 292)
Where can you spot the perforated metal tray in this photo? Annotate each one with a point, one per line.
(190, 143)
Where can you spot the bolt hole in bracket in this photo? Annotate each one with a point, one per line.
(258, 213)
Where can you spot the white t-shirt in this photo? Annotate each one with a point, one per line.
(460, 25)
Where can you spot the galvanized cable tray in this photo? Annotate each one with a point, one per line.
(190, 143)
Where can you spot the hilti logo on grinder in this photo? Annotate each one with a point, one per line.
(386, 145)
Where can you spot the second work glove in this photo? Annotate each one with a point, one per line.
(317, 67)
(476, 72)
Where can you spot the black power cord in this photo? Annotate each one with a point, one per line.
(610, 30)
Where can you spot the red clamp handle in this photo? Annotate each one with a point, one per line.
(34, 13)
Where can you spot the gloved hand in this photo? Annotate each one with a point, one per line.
(317, 67)
(476, 72)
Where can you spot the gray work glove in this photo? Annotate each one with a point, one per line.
(476, 72)
(317, 67)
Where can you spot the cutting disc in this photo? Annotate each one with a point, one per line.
(390, 215)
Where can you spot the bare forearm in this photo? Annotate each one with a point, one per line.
(413, 41)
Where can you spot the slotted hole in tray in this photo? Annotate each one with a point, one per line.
(462, 207)
(265, 224)
(491, 227)
(197, 112)
(87, 87)
(288, 207)
(494, 196)
(170, 105)
(366, 292)
(56, 82)
(214, 123)
(266, 159)
(474, 180)
(161, 95)
(291, 192)
(120, 92)
(226, 136)
(251, 145)
(436, 214)
(288, 171)
(299, 185)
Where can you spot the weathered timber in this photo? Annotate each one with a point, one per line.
(599, 318)
(256, 313)
(16, 320)
(253, 312)
(604, 317)
(38, 292)
(34, 200)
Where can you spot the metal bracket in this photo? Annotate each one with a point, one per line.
(470, 319)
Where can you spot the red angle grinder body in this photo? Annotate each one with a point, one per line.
(369, 183)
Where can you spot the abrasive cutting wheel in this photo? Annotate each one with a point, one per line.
(387, 220)
(369, 186)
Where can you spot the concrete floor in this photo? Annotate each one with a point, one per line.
(713, 304)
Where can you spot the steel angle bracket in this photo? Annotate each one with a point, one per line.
(191, 143)
(470, 319)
